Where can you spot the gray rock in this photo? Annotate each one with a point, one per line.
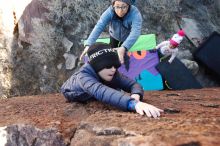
(184, 54)
(191, 65)
(110, 131)
(217, 5)
(67, 44)
(90, 134)
(70, 61)
(192, 31)
(59, 66)
(28, 135)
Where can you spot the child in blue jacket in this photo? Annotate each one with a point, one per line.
(100, 79)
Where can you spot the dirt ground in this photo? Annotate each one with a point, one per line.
(190, 115)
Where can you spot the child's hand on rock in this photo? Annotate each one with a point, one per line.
(148, 109)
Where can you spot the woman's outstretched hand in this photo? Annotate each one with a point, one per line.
(84, 53)
(121, 53)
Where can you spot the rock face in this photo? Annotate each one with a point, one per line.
(27, 135)
(191, 117)
(41, 40)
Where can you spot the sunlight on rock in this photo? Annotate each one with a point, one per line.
(3, 136)
(11, 12)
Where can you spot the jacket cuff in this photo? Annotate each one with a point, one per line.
(126, 48)
(141, 95)
(131, 105)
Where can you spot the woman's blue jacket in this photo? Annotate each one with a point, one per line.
(126, 29)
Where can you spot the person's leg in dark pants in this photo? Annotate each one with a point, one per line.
(115, 44)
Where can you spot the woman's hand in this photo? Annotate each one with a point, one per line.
(84, 53)
(121, 53)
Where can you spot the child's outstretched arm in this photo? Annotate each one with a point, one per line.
(162, 44)
(137, 94)
(174, 54)
(103, 92)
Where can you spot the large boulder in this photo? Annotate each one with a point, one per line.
(190, 118)
(40, 47)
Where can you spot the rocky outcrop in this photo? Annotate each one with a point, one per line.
(40, 47)
(191, 117)
(27, 135)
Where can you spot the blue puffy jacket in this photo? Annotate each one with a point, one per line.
(86, 84)
(126, 29)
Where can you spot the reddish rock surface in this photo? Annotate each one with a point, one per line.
(192, 117)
